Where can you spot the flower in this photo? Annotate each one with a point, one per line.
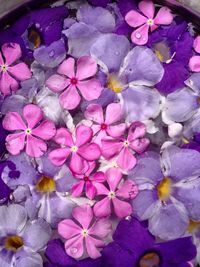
(116, 194)
(125, 147)
(28, 133)
(168, 191)
(10, 74)
(135, 19)
(89, 181)
(81, 149)
(133, 245)
(85, 230)
(2, 139)
(90, 88)
(194, 63)
(105, 126)
(5, 189)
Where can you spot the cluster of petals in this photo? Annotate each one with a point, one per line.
(71, 77)
(194, 63)
(85, 234)
(30, 131)
(147, 21)
(11, 75)
(78, 149)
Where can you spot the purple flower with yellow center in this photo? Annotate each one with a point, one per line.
(169, 191)
(134, 246)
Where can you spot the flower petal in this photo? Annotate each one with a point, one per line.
(63, 137)
(67, 67)
(90, 89)
(32, 114)
(128, 190)
(90, 152)
(77, 164)
(83, 135)
(91, 245)
(20, 71)
(147, 7)
(8, 84)
(86, 67)
(121, 208)
(136, 130)
(12, 52)
(83, 214)
(74, 247)
(101, 228)
(77, 189)
(110, 148)
(70, 98)
(196, 44)
(140, 35)
(98, 177)
(57, 83)
(101, 189)
(114, 113)
(164, 16)
(140, 145)
(126, 160)
(116, 130)
(46, 130)
(94, 112)
(59, 156)
(114, 177)
(15, 143)
(102, 208)
(13, 121)
(35, 147)
(194, 63)
(68, 229)
(135, 19)
(90, 190)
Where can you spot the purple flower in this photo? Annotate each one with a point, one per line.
(134, 246)
(2, 139)
(5, 190)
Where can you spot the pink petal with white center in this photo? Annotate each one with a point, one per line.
(91, 245)
(90, 152)
(46, 130)
(196, 44)
(11, 52)
(90, 190)
(32, 114)
(35, 147)
(140, 35)
(74, 247)
(101, 189)
(136, 130)
(122, 208)
(102, 208)
(83, 135)
(101, 228)
(7, 84)
(114, 113)
(86, 67)
(68, 229)
(128, 190)
(116, 130)
(77, 189)
(164, 16)
(110, 148)
(59, 156)
(98, 177)
(77, 164)
(94, 112)
(57, 83)
(13, 121)
(90, 89)
(67, 68)
(147, 7)
(140, 145)
(126, 159)
(15, 143)
(135, 19)
(63, 137)
(83, 214)
(20, 71)
(114, 177)
(70, 98)
(194, 64)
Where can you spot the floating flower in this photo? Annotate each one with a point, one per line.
(85, 230)
(69, 80)
(81, 149)
(30, 133)
(125, 148)
(194, 63)
(147, 22)
(116, 195)
(10, 74)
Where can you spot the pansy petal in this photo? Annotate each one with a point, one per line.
(90, 152)
(46, 130)
(67, 67)
(90, 89)
(59, 156)
(13, 121)
(194, 64)
(32, 114)
(114, 177)
(86, 67)
(15, 143)
(163, 17)
(83, 214)
(147, 7)
(63, 137)
(126, 160)
(110, 148)
(74, 247)
(20, 71)
(116, 130)
(77, 164)
(8, 84)
(114, 113)
(70, 98)
(57, 83)
(102, 208)
(128, 190)
(122, 208)
(12, 52)
(35, 147)
(68, 229)
(83, 135)
(94, 112)
(135, 19)
(77, 189)
(91, 246)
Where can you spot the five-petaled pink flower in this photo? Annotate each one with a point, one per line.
(31, 133)
(69, 79)
(194, 63)
(88, 181)
(103, 127)
(115, 195)
(124, 148)
(85, 234)
(78, 146)
(10, 74)
(135, 19)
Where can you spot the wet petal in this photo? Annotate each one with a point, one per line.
(196, 44)
(74, 247)
(194, 63)
(140, 35)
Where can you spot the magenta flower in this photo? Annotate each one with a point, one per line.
(69, 79)
(30, 133)
(106, 126)
(124, 148)
(81, 150)
(10, 74)
(85, 234)
(194, 63)
(135, 19)
(88, 181)
(115, 195)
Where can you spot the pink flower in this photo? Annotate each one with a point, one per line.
(9, 74)
(194, 63)
(31, 133)
(81, 150)
(124, 148)
(106, 126)
(85, 234)
(71, 79)
(135, 19)
(117, 191)
(88, 181)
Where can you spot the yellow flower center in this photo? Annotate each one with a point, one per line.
(4, 67)
(164, 189)
(185, 140)
(159, 55)
(193, 226)
(14, 242)
(111, 194)
(84, 232)
(162, 52)
(150, 22)
(74, 148)
(150, 259)
(114, 84)
(46, 184)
